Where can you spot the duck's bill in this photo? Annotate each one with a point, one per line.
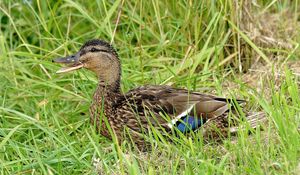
(69, 68)
(72, 63)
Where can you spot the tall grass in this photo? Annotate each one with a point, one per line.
(44, 125)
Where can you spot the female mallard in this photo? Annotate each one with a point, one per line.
(162, 107)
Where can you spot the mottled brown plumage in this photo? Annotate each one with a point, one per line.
(162, 107)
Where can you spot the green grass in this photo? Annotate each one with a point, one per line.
(44, 123)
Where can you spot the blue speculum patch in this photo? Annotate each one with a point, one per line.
(189, 123)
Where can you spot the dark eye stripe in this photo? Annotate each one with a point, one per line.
(83, 52)
(98, 50)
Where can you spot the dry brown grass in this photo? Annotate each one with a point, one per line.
(273, 32)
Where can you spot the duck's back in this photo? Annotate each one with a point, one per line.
(166, 107)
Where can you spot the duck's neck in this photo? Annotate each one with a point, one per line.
(104, 98)
(109, 78)
(108, 88)
(108, 92)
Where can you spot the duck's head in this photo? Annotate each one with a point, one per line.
(98, 56)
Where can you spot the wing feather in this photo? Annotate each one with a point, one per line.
(176, 103)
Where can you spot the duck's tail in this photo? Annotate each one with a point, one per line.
(254, 120)
(220, 127)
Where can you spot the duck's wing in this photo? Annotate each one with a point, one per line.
(184, 109)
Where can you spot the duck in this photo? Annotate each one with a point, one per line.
(134, 114)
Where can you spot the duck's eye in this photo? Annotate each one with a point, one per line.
(94, 50)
